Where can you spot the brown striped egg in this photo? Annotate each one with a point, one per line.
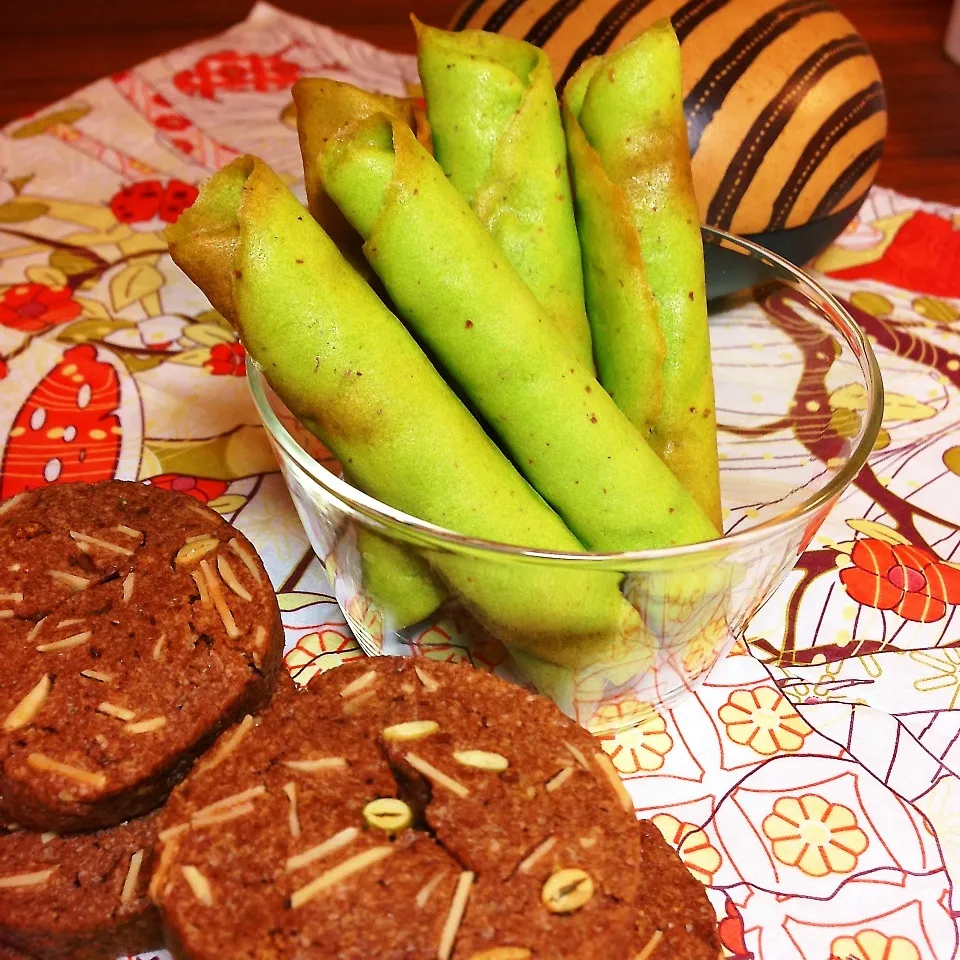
(785, 107)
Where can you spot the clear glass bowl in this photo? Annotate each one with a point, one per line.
(799, 402)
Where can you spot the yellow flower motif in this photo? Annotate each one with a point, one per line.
(703, 647)
(817, 836)
(699, 856)
(945, 677)
(630, 654)
(641, 749)
(764, 720)
(873, 945)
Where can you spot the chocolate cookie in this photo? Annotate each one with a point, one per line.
(135, 624)
(514, 790)
(400, 809)
(82, 897)
(271, 809)
(674, 919)
(9, 953)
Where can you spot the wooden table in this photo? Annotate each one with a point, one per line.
(49, 48)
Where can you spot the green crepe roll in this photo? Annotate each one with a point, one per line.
(351, 373)
(629, 107)
(461, 297)
(393, 577)
(397, 579)
(497, 135)
(323, 106)
(628, 344)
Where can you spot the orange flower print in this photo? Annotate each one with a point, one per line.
(34, 307)
(764, 720)
(698, 854)
(329, 647)
(815, 835)
(873, 945)
(640, 749)
(443, 643)
(67, 429)
(366, 618)
(902, 578)
(199, 488)
(732, 934)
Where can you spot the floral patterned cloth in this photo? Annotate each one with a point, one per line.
(812, 783)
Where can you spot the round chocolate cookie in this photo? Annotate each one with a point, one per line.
(82, 896)
(9, 953)
(401, 809)
(674, 918)
(135, 624)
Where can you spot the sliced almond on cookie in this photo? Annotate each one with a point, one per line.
(482, 760)
(411, 730)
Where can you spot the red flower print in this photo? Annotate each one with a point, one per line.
(226, 359)
(143, 201)
(171, 121)
(905, 579)
(4, 368)
(33, 307)
(176, 198)
(236, 72)
(197, 487)
(138, 202)
(924, 257)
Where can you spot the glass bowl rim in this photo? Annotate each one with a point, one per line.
(422, 533)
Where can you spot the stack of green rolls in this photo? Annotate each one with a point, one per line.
(545, 266)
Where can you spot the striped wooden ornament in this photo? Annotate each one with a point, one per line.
(785, 107)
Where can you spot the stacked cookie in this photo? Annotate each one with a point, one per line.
(135, 625)
(418, 810)
(394, 809)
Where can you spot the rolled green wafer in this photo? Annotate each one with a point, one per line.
(629, 106)
(628, 343)
(397, 579)
(456, 290)
(349, 371)
(323, 106)
(497, 135)
(394, 578)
